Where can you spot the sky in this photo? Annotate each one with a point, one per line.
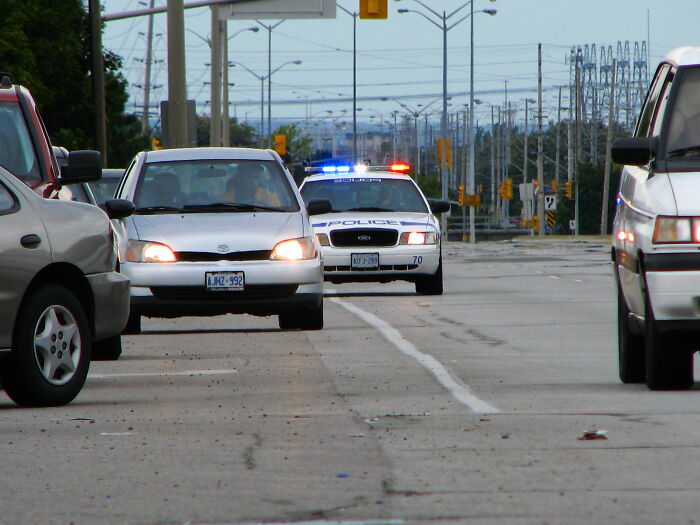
(400, 59)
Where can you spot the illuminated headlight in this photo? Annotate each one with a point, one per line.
(418, 238)
(676, 230)
(322, 239)
(294, 250)
(148, 252)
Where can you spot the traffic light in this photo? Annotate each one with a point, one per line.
(508, 183)
(155, 144)
(281, 144)
(554, 184)
(374, 9)
(460, 194)
(536, 223)
(569, 190)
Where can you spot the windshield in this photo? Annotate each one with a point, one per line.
(366, 194)
(16, 149)
(104, 189)
(684, 126)
(213, 186)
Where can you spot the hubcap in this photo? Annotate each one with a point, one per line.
(57, 345)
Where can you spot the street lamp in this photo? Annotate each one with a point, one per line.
(262, 79)
(269, 75)
(354, 15)
(442, 24)
(225, 125)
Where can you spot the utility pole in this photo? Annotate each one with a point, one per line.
(147, 80)
(608, 145)
(578, 146)
(177, 82)
(215, 43)
(540, 155)
(525, 146)
(558, 140)
(98, 80)
(225, 120)
(493, 167)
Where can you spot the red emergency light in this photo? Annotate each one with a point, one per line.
(400, 167)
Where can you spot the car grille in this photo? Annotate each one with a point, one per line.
(253, 255)
(361, 237)
(188, 293)
(382, 268)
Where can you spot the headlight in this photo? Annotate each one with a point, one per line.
(294, 250)
(322, 239)
(418, 238)
(148, 252)
(676, 230)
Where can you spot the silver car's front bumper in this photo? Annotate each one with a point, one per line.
(111, 293)
(177, 289)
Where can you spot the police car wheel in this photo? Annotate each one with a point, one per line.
(431, 284)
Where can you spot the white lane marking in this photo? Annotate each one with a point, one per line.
(165, 374)
(459, 390)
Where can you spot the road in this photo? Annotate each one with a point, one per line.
(463, 408)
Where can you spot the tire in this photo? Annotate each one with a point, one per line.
(669, 361)
(630, 346)
(431, 284)
(50, 356)
(108, 349)
(133, 325)
(304, 320)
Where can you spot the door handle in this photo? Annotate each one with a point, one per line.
(30, 241)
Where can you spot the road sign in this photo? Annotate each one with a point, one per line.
(278, 9)
(550, 202)
(473, 200)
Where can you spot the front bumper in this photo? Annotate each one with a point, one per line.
(673, 282)
(403, 262)
(178, 289)
(111, 294)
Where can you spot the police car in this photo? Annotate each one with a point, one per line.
(381, 227)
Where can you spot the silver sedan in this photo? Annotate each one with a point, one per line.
(59, 292)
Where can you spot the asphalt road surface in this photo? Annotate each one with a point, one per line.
(461, 408)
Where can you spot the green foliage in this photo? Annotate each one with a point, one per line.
(242, 135)
(430, 186)
(298, 143)
(46, 47)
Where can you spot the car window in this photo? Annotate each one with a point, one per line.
(368, 193)
(16, 149)
(684, 124)
(104, 189)
(195, 184)
(8, 204)
(650, 102)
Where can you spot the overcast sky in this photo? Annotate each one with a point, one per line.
(402, 56)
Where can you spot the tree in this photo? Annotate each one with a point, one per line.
(242, 135)
(298, 144)
(46, 47)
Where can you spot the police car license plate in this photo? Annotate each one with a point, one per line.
(364, 261)
(225, 281)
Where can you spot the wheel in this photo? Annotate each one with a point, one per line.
(431, 284)
(133, 325)
(50, 355)
(108, 349)
(669, 361)
(630, 346)
(303, 320)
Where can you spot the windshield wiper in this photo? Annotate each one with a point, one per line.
(228, 206)
(156, 208)
(682, 152)
(369, 208)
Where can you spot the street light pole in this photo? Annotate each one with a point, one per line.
(269, 78)
(354, 16)
(225, 121)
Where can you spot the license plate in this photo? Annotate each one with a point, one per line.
(225, 281)
(365, 261)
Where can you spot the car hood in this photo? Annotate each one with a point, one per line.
(686, 192)
(403, 221)
(208, 232)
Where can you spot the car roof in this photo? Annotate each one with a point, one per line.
(175, 154)
(684, 56)
(358, 175)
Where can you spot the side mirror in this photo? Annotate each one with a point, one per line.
(635, 151)
(438, 207)
(83, 166)
(119, 208)
(319, 207)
